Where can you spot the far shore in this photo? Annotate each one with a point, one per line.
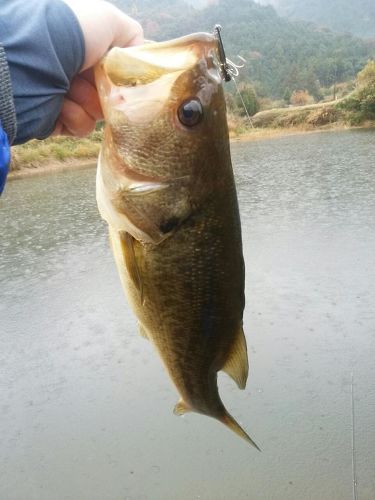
(52, 165)
(271, 133)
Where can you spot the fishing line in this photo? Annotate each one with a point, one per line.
(233, 70)
(354, 460)
(243, 102)
(229, 70)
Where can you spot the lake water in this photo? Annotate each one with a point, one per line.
(85, 405)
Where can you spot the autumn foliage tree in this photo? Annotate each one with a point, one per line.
(366, 77)
(361, 103)
(366, 89)
(301, 98)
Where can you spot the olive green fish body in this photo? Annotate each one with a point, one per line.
(165, 186)
(190, 301)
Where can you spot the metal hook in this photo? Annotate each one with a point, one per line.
(233, 68)
(222, 58)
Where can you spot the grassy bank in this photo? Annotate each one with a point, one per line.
(315, 116)
(54, 152)
(355, 109)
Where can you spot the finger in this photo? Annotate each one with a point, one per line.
(126, 32)
(74, 120)
(88, 75)
(83, 93)
(60, 130)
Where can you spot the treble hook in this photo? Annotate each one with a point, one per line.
(228, 68)
(233, 68)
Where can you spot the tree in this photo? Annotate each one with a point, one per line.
(367, 75)
(301, 98)
(287, 95)
(366, 90)
(249, 98)
(311, 84)
(279, 53)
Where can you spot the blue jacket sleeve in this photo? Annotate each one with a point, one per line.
(7, 110)
(44, 48)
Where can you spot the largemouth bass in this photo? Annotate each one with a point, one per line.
(165, 186)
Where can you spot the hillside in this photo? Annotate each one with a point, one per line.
(354, 16)
(282, 55)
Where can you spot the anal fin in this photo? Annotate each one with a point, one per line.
(181, 408)
(236, 364)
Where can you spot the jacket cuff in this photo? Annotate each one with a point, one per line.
(7, 108)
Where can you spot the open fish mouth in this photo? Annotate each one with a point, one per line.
(137, 81)
(145, 63)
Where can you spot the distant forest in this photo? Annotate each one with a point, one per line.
(354, 16)
(282, 55)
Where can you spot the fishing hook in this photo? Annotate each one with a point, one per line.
(233, 67)
(224, 68)
(228, 68)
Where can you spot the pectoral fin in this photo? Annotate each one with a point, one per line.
(236, 364)
(123, 250)
(127, 245)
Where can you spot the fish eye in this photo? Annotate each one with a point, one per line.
(190, 113)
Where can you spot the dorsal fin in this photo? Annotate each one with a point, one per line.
(236, 364)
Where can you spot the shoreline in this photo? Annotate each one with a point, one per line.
(52, 167)
(55, 166)
(271, 133)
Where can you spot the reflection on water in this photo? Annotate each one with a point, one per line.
(85, 407)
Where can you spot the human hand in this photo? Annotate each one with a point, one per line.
(103, 26)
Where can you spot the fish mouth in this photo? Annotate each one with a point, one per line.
(135, 82)
(143, 64)
(141, 90)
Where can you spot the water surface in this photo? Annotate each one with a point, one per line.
(85, 406)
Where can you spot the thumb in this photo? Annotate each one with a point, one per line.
(104, 26)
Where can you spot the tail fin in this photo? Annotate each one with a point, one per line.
(229, 421)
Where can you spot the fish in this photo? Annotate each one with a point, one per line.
(166, 188)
